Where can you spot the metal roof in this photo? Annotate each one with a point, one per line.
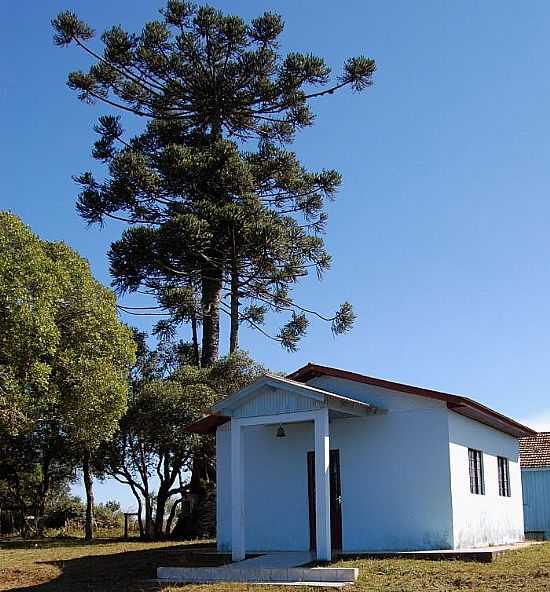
(457, 403)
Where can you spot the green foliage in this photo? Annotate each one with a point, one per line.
(68, 27)
(210, 70)
(151, 440)
(29, 335)
(95, 350)
(64, 361)
(108, 514)
(62, 507)
(229, 375)
(64, 354)
(217, 206)
(35, 469)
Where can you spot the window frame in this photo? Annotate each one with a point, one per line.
(503, 472)
(475, 468)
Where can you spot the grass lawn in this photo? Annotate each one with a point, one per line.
(111, 565)
(106, 565)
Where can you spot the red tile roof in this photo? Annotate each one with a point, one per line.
(534, 451)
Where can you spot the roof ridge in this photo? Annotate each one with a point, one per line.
(377, 378)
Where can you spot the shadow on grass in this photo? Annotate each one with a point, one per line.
(54, 542)
(129, 571)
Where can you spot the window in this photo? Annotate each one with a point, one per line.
(503, 477)
(475, 458)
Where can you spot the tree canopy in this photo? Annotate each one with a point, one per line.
(151, 450)
(213, 72)
(63, 349)
(223, 218)
(64, 356)
(29, 334)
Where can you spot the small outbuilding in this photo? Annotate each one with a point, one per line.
(535, 477)
(327, 459)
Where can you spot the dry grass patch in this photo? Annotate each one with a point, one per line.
(527, 569)
(108, 565)
(117, 566)
(524, 569)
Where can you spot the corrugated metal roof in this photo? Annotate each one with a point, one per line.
(534, 451)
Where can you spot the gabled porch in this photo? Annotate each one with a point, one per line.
(276, 401)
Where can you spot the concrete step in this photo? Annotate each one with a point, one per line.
(256, 575)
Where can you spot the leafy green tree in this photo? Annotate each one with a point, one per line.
(68, 383)
(29, 335)
(35, 468)
(108, 514)
(33, 458)
(90, 372)
(151, 442)
(216, 206)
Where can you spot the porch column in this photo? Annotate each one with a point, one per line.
(322, 485)
(237, 492)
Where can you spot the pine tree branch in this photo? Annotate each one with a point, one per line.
(122, 71)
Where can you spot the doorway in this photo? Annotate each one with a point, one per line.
(335, 500)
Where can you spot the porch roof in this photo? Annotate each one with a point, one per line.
(221, 411)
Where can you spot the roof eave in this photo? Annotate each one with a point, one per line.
(207, 424)
(458, 403)
(493, 420)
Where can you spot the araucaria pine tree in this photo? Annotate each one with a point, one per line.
(222, 217)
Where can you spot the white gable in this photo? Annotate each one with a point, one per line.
(274, 401)
(272, 395)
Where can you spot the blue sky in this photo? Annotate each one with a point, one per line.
(440, 234)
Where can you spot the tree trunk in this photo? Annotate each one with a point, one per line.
(140, 520)
(88, 486)
(44, 488)
(146, 492)
(198, 473)
(202, 481)
(210, 302)
(162, 498)
(149, 525)
(195, 339)
(171, 517)
(170, 473)
(211, 288)
(234, 332)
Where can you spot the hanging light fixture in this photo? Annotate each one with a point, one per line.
(281, 432)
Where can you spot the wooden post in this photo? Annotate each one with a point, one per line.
(125, 526)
